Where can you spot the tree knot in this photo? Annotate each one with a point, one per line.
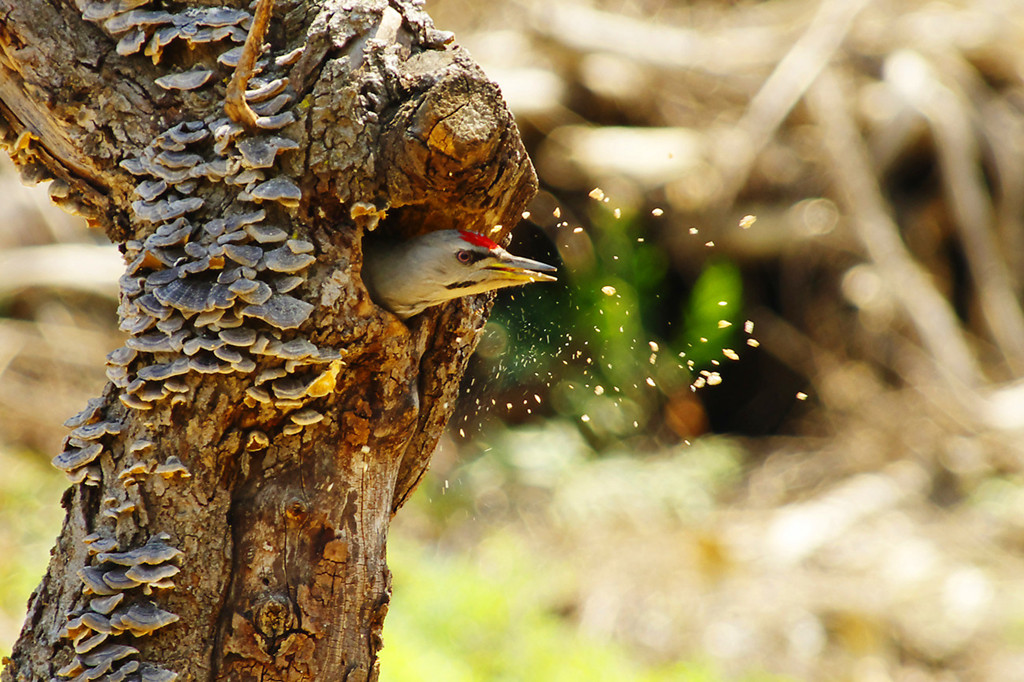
(273, 616)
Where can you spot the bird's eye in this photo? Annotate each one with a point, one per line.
(464, 256)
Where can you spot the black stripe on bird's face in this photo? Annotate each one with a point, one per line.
(459, 285)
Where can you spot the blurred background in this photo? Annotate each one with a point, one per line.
(767, 426)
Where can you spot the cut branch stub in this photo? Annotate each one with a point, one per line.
(236, 104)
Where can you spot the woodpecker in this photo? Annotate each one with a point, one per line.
(439, 266)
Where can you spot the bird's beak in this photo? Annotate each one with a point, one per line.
(518, 269)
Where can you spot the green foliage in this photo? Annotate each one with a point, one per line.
(30, 517)
(717, 297)
(493, 609)
(453, 620)
(618, 339)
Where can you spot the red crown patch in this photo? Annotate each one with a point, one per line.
(477, 239)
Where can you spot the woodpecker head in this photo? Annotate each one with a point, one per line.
(408, 277)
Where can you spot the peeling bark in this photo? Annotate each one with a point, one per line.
(232, 488)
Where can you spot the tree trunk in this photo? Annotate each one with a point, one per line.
(233, 486)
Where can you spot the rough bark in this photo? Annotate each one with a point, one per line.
(235, 482)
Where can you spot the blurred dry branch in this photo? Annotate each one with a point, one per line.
(932, 315)
(657, 44)
(92, 269)
(949, 117)
(772, 104)
(58, 295)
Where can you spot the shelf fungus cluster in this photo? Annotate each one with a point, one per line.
(214, 285)
(119, 582)
(86, 442)
(151, 31)
(212, 289)
(208, 298)
(117, 609)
